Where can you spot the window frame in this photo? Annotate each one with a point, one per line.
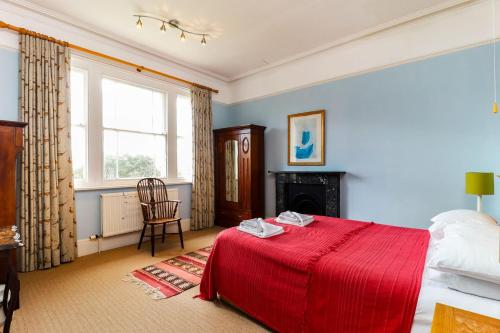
(188, 96)
(84, 124)
(96, 72)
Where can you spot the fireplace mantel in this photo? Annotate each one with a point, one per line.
(319, 187)
(340, 173)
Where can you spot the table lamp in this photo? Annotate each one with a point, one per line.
(479, 183)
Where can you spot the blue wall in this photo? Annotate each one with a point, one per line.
(87, 202)
(221, 114)
(9, 84)
(406, 136)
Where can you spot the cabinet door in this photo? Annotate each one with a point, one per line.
(245, 171)
(229, 192)
(12, 143)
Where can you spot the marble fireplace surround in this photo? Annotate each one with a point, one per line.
(328, 180)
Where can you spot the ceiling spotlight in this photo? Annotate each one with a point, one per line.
(183, 36)
(203, 41)
(138, 24)
(163, 27)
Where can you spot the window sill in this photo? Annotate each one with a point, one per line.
(168, 182)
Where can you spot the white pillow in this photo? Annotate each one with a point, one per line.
(470, 251)
(464, 216)
(469, 285)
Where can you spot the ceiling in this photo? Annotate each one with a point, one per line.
(248, 36)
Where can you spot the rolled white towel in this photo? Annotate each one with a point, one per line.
(267, 228)
(294, 218)
(253, 224)
(260, 228)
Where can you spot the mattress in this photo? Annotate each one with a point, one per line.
(433, 291)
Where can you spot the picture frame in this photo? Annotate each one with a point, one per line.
(306, 138)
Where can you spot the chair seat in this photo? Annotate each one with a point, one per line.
(162, 221)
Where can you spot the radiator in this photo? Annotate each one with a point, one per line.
(121, 212)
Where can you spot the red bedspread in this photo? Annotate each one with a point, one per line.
(332, 276)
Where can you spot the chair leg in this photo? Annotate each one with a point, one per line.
(163, 235)
(142, 236)
(152, 240)
(180, 232)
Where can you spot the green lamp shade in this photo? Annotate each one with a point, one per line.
(479, 183)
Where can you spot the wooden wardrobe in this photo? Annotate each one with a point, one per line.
(11, 144)
(239, 174)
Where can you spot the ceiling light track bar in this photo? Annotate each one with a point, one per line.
(173, 24)
(139, 68)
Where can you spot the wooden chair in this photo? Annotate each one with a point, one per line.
(157, 209)
(10, 298)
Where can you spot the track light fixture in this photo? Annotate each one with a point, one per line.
(172, 23)
(163, 27)
(138, 24)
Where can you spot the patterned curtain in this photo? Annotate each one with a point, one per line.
(47, 211)
(202, 201)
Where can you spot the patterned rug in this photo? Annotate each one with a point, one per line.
(172, 276)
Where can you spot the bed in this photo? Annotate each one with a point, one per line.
(334, 275)
(434, 291)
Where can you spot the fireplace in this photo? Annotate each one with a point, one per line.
(306, 198)
(315, 193)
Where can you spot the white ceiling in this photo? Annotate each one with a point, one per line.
(248, 35)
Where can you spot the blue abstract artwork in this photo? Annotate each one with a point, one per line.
(306, 137)
(307, 147)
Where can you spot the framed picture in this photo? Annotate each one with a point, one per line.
(306, 138)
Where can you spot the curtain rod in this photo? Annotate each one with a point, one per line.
(139, 68)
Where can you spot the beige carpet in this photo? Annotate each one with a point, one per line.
(90, 296)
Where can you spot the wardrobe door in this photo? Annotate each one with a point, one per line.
(245, 175)
(227, 161)
(231, 161)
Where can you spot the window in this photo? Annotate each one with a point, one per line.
(184, 138)
(79, 123)
(134, 131)
(126, 126)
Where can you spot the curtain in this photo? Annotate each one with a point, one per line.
(47, 209)
(202, 201)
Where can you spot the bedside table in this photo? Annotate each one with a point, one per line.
(449, 319)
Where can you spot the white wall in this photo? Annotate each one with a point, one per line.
(462, 26)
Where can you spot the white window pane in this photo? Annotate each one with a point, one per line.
(184, 116)
(78, 96)
(184, 138)
(110, 153)
(79, 152)
(134, 108)
(184, 157)
(133, 155)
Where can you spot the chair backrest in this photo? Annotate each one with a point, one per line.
(152, 191)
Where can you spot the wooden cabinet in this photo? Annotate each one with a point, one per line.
(449, 319)
(239, 174)
(11, 143)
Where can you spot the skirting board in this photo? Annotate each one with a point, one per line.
(89, 246)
